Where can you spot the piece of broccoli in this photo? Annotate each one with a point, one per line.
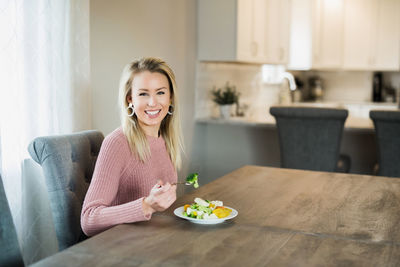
(193, 179)
(205, 209)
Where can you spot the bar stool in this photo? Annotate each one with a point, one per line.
(309, 138)
(387, 130)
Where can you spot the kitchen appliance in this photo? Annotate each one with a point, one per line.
(316, 91)
(377, 87)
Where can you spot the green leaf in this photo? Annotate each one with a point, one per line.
(226, 95)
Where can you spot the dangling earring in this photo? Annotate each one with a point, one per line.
(130, 107)
(170, 110)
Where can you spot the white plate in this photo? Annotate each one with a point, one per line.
(179, 213)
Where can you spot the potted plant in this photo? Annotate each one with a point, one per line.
(225, 97)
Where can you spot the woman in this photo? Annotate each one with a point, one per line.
(137, 163)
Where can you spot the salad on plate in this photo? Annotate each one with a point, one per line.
(205, 209)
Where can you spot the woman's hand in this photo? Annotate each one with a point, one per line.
(160, 198)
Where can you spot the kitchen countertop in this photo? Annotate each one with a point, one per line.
(358, 119)
(351, 124)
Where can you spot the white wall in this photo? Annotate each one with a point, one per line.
(123, 30)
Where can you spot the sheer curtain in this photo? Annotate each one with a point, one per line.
(44, 90)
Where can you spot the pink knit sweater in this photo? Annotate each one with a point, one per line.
(120, 182)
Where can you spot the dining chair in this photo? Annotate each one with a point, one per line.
(10, 253)
(309, 138)
(387, 131)
(68, 162)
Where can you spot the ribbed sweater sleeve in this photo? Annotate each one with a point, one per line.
(99, 210)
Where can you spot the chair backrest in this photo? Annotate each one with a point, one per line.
(387, 129)
(10, 253)
(68, 162)
(309, 138)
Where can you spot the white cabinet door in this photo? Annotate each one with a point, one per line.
(316, 34)
(259, 29)
(284, 31)
(301, 35)
(387, 47)
(246, 49)
(358, 34)
(251, 30)
(252, 17)
(276, 32)
(327, 34)
(371, 39)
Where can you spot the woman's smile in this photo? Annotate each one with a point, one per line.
(153, 113)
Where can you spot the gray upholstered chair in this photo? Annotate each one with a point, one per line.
(387, 129)
(309, 138)
(68, 162)
(10, 253)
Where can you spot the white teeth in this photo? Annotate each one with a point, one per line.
(152, 112)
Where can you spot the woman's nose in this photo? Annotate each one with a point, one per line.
(152, 101)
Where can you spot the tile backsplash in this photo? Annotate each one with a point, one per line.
(256, 96)
(343, 86)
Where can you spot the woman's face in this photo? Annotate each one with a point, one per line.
(151, 98)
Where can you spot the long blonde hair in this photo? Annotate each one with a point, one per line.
(170, 128)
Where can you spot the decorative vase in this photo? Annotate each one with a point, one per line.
(225, 111)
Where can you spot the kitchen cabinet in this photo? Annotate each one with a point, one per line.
(250, 30)
(276, 32)
(371, 35)
(345, 35)
(300, 45)
(328, 32)
(316, 32)
(387, 50)
(255, 31)
(358, 40)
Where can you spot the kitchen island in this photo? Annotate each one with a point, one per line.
(286, 218)
(358, 119)
(224, 145)
(352, 123)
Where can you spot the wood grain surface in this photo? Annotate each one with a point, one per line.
(286, 218)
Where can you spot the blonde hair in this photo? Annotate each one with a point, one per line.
(170, 128)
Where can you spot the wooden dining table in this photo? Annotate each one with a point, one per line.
(285, 217)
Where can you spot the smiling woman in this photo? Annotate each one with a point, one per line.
(138, 162)
(137, 80)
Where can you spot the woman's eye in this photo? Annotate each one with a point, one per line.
(142, 94)
(161, 93)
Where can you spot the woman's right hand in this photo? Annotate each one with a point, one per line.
(160, 198)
